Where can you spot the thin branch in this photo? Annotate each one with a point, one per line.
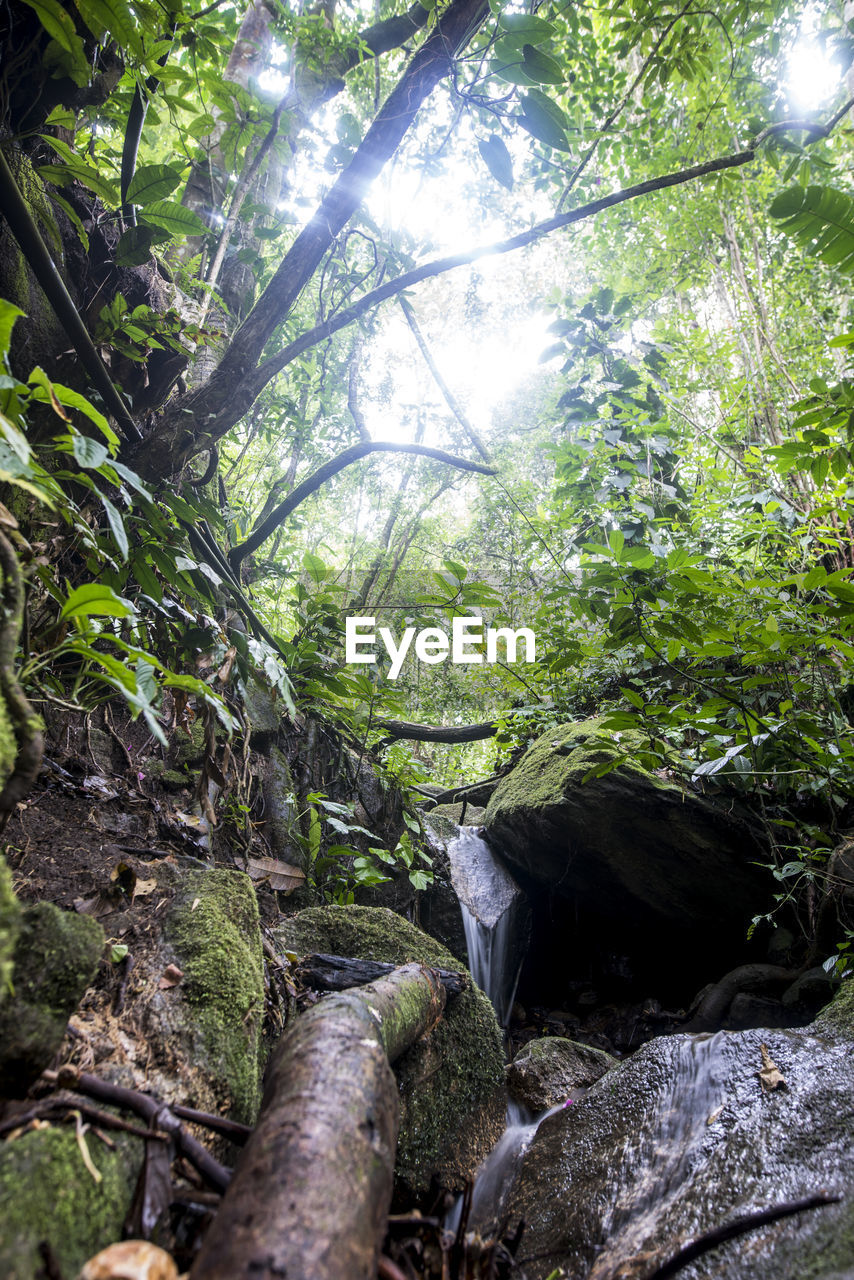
(312, 483)
(450, 399)
(267, 370)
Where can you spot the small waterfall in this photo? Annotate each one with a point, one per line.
(496, 918)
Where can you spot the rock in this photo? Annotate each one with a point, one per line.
(683, 1137)
(451, 1094)
(264, 712)
(10, 927)
(748, 1011)
(661, 871)
(48, 1194)
(205, 1029)
(55, 959)
(547, 1071)
(810, 993)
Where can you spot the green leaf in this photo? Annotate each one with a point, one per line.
(134, 247)
(88, 452)
(115, 17)
(117, 527)
(544, 120)
(497, 159)
(96, 598)
(63, 174)
(153, 182)
(57, 23)
(542, 68)
(821, 220)
(524, 27)
(8, 315)
(174, 218)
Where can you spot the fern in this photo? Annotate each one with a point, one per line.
(821, 220)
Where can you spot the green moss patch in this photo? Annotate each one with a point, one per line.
(10, 925)
(214, 928)
(55, 959)
(48, 1194)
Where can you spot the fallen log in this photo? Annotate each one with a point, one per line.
(437, 732)
(340, 973)
(311, 1190)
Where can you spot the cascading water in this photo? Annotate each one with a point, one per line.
(495, 918)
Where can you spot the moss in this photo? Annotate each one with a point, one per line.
(191, 746)
(838, 1016)
(556, 764)
(214, 927)
(10, 925)
(47, 1194)
(173, 779)
(452, 1102)
(55, 959)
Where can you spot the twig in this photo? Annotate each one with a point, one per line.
(151, 1109)
(738, 1227)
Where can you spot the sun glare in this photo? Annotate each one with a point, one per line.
(812, 75)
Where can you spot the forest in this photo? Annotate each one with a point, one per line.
(426, 569)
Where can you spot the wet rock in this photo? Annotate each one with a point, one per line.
(451, 1082)
(683, 1137)
(48, 1194)
(748, 1011)
(663, 870)
(547, 1071)
(810, 993)
(55, 958)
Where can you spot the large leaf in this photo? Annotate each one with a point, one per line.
(821, 220)
(89, 452)
(523, 27)
(497, 159)
(153, 182)
(96, 598)
(113, 16)
(173, 217)
(8, 315)
(544, 120)
(542, 68)
(62, 174)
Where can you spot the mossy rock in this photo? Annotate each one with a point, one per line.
(47, 1194)
(10, 927)
(548, 1071)
(55, 959)
(451, 1094)
(639, 853)
(217, 1009)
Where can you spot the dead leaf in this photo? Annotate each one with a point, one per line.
(225, 670)
(170, 977)
(714, 1114)
(770, 1076)
(80, 1133)
(6, 518)
(196, 902)
(100, 787)
(283, 876)
(143, 888)
(130, 1260)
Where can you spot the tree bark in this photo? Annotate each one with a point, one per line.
(310, 1195)
(437, 732)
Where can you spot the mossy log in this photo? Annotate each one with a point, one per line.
(311, 1191)
(341, 973)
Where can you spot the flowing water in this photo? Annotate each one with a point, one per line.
(495, 918)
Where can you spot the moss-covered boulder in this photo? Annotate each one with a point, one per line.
(55, 958)
(48, 1195)
(548, 1071)
(451, 1094)
(647, 858)
(10, 927)
(206, 1026)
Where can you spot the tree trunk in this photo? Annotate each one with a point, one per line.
(310, 1194)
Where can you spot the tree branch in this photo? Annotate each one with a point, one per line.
(450, 399)
(436, 732)
(218, 404)
(312, 483)
(268, 369)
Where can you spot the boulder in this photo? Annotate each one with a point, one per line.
(55, 958)
(686, 1136)
(451, 1081)
(48, 1195)
(548, 1071)
(662, 871)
